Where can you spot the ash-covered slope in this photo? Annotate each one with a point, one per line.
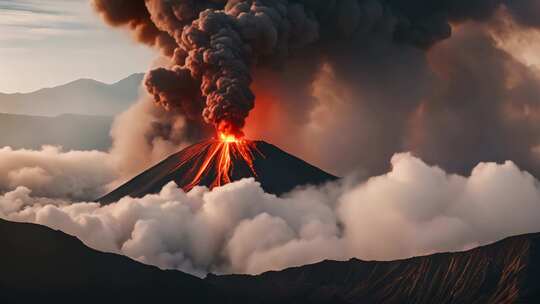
(40, 265)
(504, 272)
(277, 171)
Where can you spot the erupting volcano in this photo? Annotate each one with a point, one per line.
(222, 160)
(221, 155)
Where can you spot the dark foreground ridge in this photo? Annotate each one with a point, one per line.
(46, 266)
(277, 171)
(40, 265)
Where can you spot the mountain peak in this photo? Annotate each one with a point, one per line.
(133, 78)
(75, 84)
(213, 163)
(82, 96)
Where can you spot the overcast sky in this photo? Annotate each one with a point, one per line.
(45, 43)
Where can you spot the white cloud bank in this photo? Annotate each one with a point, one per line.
(412, 210)
(86, 175)
(51, 172)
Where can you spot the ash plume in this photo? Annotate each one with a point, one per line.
(359, 69)
(134, 15)
(216, 43)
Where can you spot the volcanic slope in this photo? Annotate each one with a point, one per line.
(504, 272)
(42, 265)
(214, 162)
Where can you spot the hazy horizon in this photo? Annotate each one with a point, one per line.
(50, 43)
(67, 82)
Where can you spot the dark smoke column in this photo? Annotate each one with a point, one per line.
(213, 44)
(218, 58)
(216, 44)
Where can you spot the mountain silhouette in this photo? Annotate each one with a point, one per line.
(277, 171)
(503, 272)
(83, 96)
(42, 265)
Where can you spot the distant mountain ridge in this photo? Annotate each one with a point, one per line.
(82, 96)
(71, 131)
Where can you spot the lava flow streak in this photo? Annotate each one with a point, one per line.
(221, 157)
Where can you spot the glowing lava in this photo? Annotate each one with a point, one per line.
(228, 138)
(216, 161)
(221, 157)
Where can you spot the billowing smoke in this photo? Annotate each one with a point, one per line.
(413, 209)
(367, 77)
(471, 98)
(218, 42)
(134, 15)
(145, 134)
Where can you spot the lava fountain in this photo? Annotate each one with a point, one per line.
(220, 155)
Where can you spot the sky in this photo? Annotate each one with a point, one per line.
(52, 42)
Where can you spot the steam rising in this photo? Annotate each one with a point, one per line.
(52, 172)
(413, 209)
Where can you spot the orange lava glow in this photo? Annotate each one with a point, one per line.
(228, 138)
(221, 156)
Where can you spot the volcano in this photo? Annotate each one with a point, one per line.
(216, 162)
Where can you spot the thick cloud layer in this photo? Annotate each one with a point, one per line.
(413, 209)
(52, 172)
(86, 175)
